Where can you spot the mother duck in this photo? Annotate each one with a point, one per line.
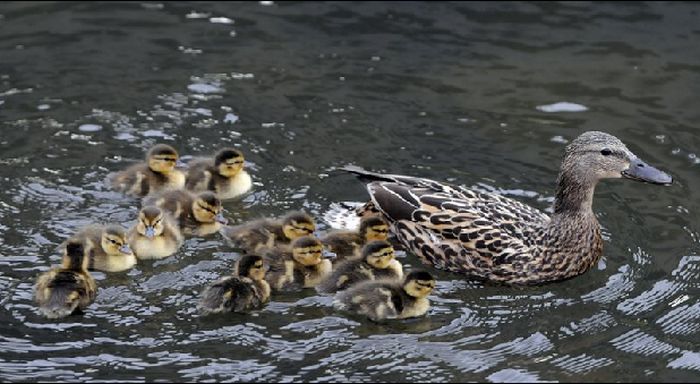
(497, 239)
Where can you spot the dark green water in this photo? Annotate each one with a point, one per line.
(448, 91)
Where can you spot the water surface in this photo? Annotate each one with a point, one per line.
(460, 92)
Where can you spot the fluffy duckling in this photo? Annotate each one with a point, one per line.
(156, 174)
(107, 247)
(245, 290)
(66, 290)
(347, 244)
(377, 262)
(385, 299)
(302, 265)
(224, 175)
(262, 234)
(156, 235)
(198, 215)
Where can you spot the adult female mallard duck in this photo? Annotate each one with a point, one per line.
(377, 262)
(491, 237)
(156, 174)
(155, 235)
(66, 290)
(245, 290)
(106, 246)
(387, 299)
(224, 175)
(197, 214)
(347, 243)
(259, 235)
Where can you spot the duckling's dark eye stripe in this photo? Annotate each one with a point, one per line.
(207, 209)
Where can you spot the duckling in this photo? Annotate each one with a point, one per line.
(267, 233)
(245, 290)
(156, 174)
(386, 299)
(66, 290)
(377, 262)
(223, 175)
(347, 244)
(156, 235)
(107, 247)
(197, 215)
(303, 264)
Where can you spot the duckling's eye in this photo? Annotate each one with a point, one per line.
(605, 152)
(113, 241)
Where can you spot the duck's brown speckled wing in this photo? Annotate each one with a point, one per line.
(481, 234)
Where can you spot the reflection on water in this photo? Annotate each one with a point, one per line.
(485, 95)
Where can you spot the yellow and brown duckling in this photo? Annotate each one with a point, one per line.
(156, 234)
(223, 175)
(387, 299)
(242, 292)
(348, 244)
(156, 174)
(69, 289)
(107, 247)
(262, 234)
(197, 214)
(491, 237)
(377, 262)
(301, 265)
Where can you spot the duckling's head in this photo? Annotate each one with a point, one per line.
(307, 250)
(597, 155)
(74, 257)
(229, 162)
(114, 241)
(207, 208)
(251, 266)
(419, 284)
(162, 158)
(150, 222)
(379, 254)
(374, 228)
(297, 224)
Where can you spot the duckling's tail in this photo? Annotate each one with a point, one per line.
(343, 215)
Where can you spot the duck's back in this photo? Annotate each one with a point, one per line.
(61, 292)
(378, 300)
(230, 294)
(177, 202)
(481, 234)
(256, 235)
(200, 175)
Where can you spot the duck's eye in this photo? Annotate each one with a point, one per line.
(605, 152)
(113, 241)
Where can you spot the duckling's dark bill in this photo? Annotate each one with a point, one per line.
(642, 171)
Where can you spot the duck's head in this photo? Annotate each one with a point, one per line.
(114, 241)
(162, 158)
(207, 208)
(251, 266)
(74, 257)
(307, 250)
(229, 162)
(378, 254)
(597, 155)
(374, 228)
(419, 284)
(297, 224)
(150, 222)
